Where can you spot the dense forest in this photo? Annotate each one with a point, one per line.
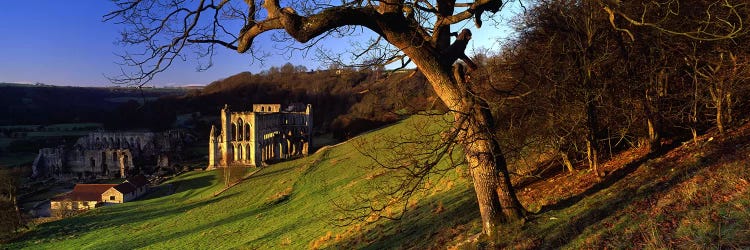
(345, 101)
(577, 86)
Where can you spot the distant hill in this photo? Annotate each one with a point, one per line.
(345, 102)
(46, 104)
(691, 196)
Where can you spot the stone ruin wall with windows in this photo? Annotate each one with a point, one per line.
(105, 154)
(267, 133)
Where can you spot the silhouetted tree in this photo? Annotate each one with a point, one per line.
(10, 216)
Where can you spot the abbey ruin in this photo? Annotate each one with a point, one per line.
(106, 154)
(267, 133)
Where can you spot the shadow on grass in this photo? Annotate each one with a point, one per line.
(271, 173)
(177, 234)
(419, 228)
(627, 192)
(608, 180)
(177, 187)
(109, 217)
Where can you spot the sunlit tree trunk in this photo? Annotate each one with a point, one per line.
(566, 161)
(652, 121)
(496, 197)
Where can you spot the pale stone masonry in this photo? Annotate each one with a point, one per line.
(106, 154)
(267, 133)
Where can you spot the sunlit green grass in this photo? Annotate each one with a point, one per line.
(290, 204)
(691, 197)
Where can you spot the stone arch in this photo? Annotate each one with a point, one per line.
(239, 154)
(248, 150)
(248, 129)
(104, 162)
(240, 129)
(262, 149)
(234, 131)
(288, 145)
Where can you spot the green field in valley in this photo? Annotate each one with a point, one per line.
(290, 204)
(692, 196)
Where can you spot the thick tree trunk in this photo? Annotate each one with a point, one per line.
(495, 195)
(498, 202)
(486, 183)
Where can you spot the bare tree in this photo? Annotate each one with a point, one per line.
(724, 74)
(696, 20)
(419, 30)
(579, 51)
(409, 31)
(10, 215)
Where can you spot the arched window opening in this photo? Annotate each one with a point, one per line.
(241, 132)
(234, 130)
(247, 131)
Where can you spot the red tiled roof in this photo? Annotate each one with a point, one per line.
(138, 181)
(85, 192)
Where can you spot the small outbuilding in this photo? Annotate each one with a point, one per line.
(83, 197)
(129, 190)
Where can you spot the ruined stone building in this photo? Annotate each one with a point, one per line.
(267, 133)
(105, 154)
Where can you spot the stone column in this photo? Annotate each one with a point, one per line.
(122, 165)
(226, 129)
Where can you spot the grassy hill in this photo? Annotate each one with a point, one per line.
(291, 204)
(691, 196)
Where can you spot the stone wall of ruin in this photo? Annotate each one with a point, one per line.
(105, 154)
(266, 134)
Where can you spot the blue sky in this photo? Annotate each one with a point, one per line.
(66, 43)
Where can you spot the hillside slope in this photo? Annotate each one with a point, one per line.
(291, 204)
(691, 196)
